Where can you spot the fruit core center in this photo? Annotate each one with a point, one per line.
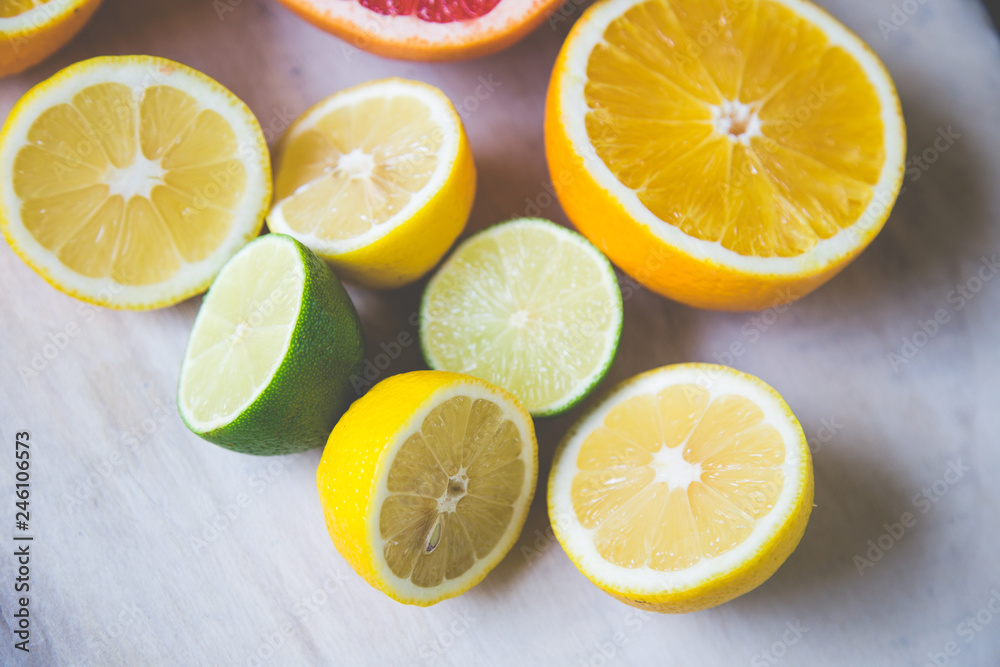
(458, 486)
(736, 120)
(241, 332)
(356, 164)
(670, 466)
(137, 179)
(520, 318)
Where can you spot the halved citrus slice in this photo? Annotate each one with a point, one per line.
(128, 181)
(728, 155)
(377, 179)
(686, 487)
(426, 481)
(32, 30)
(269, 363)
(426, 29)
(527, 305)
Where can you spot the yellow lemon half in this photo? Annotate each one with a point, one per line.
(426, 481)
(129, 181)
(686, 487)
(377, 179)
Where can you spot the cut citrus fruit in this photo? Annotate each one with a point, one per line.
(129, 181)
(686, 487)
(32, 30)
(529, 306)
(426, 481)
(426, 29)
(728, 155)
(377, 179)
(268, 365)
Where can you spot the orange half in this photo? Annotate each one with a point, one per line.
(726, 154)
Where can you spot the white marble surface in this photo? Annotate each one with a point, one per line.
(127, 568)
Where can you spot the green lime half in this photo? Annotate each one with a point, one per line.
(527, 305)
(267, 368)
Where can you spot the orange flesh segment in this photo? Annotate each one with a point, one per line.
(671, 478)
(806, 167)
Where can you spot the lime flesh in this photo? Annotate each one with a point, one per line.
(529, 306)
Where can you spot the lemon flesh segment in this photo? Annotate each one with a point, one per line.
(241, 335)
(452, 489)
(132, 180)
(677, 493)
(767, 141)
(693, 475)
(529, 306)
(357, 167)
(139, 193)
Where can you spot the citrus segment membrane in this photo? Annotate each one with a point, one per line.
(357, 166)
(452, 488)
(528, 306)
(242, 333)
(766, 138)
(674, 477)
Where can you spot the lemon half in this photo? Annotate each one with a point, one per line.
(129, 181)
(377, 179)
(686, 487)
(426, 482)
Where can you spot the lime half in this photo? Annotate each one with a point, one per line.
(529, 306)
(268, 365)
